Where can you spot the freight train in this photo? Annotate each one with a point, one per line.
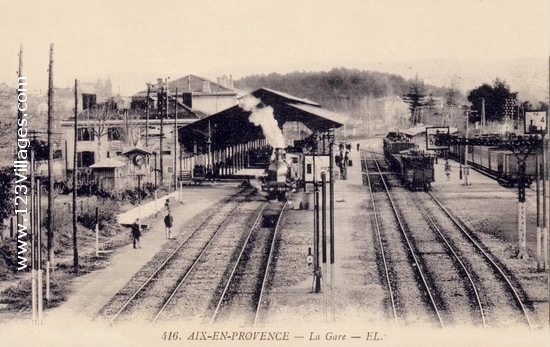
(500, 164)
(414, 167)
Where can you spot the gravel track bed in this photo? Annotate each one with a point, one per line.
(500, 307)
(166, 278)
(196, 299)
(531, 284)
(411, 300)
(447, 280)
(241, 300)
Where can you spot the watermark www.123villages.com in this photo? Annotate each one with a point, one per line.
(20, 168)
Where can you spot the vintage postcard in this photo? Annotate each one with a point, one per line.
(274, 173)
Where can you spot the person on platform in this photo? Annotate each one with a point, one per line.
(136, 233)
(448, 170)
(168, 223)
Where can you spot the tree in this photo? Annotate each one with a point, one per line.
(7, 194)
(415, 98)
(495, 100)
(452, 96)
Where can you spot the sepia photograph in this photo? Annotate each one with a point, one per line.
(275, 173)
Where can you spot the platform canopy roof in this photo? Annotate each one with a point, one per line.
(231, 126)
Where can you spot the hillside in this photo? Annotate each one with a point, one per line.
(341, 90)
(527, 76)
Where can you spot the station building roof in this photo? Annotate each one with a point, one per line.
(231, 126)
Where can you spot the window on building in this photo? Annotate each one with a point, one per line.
(114, 133)
(85, 134)
(85, 159)
(57, 154)
(309, 169)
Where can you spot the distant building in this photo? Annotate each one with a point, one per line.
(200, 95)
(108, 131)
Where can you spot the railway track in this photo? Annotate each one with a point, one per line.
(243, 294)
(405, 283)
(165, 269)
(191, 298)
(469, 287)
(500, 303)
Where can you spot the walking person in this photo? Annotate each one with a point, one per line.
(136, 233)
(168, 223)
(358, 145)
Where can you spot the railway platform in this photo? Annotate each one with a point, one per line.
(90, 292)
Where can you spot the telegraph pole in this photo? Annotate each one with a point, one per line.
(161, 112)
(75, 249)
(317, 274)
(466, 168)
(147, 117)
(331, 218)
(21, 87)
(34, 299)
(482, 115)
(175, 141)
(50, 161)
(21, 84)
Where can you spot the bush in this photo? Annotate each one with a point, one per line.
(107, 210)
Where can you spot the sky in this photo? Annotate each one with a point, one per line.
(134, 42)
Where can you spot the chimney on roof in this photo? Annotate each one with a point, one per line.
(231, 82)
(206, 87)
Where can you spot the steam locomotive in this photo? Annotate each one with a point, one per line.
(284, 175)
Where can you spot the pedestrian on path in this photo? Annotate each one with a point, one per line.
(168, 223)
(358, 145)
(136, 233)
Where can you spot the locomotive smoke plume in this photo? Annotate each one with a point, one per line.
(264, 117)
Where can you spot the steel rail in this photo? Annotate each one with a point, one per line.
(379, 235)
(168, 258)
(269, 258)
(402, 228)
(238, 260)
(489, 259)
(462, 265)
(196, 261)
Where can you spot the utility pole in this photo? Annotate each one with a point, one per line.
(465, 167)
(147, 117)
(317, 273)
(331, 218)
(75, 249)
(175, 171)
(482, 115)
(160, 105)
(50, 162)
(20, 87)
(34, 238)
